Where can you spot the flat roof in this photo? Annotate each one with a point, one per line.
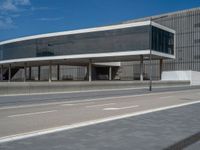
(88, 30)
(161, 15)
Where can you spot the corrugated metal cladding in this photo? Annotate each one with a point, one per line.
(187, 26)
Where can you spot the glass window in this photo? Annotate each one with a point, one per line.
(162, 41)
(120, 40)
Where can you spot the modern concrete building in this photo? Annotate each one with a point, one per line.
(86, 54)
(52, 56)
(186, 23)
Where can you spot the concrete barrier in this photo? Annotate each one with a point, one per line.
(8, 88)
(186, 75)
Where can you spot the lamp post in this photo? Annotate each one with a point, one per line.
(150, 58)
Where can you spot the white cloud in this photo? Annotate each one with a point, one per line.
(6, 23)
(8, 5)
(41, 8)
(50, 19)
(10, 9)
(13, 5)
(22, 2)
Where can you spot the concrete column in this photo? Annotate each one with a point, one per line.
(9, 73)
(110, 73)
(161, 67)
(38, 73)
(50, 72)
(30, 72)
(90, 71)
(58, 72)
(24, 72)
(141, 67)
(1, 72)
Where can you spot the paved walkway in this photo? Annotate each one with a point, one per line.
(168, 129)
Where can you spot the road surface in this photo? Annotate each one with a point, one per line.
(25, 121)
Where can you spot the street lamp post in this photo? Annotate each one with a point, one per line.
(150, 81)
(150, 58)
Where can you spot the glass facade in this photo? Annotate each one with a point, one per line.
(162, 41)
(187, 26)
(118, 40)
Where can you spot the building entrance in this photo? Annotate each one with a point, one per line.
(101, 73)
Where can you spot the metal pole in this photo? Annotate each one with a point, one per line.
(50, 72)
(30, 72)
(1, 72)
(161, 68)
(38, 73)
(150, 84)
(24, 72)
(58, 72)
(150, 57)
(141, 68)
(110, 73)
(9, 73)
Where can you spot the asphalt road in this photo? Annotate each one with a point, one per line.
(73, 108)
(73, 96)
(171, 129)
(24, 117)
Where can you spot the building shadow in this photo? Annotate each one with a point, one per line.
(185, 142)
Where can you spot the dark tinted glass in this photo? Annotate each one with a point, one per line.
(162, 41)
(129, 39)
(120, 40)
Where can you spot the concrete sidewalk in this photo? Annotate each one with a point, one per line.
(9, 88)
(176, 128)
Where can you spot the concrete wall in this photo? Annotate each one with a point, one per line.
(192, 76)
(7, 88)
(195, 76)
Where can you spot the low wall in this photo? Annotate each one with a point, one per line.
(192, 76)
(45, 87)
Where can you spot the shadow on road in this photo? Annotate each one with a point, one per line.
(185, 142)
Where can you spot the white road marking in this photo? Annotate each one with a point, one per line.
(29, 114)
(100, 105)
(75, 104)
(86, 123)
(164, 97)
(121, 108)
(88, 100)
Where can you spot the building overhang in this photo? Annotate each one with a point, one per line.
(95, 58)
(83, 59)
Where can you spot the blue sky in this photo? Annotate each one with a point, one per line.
(28, 17)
